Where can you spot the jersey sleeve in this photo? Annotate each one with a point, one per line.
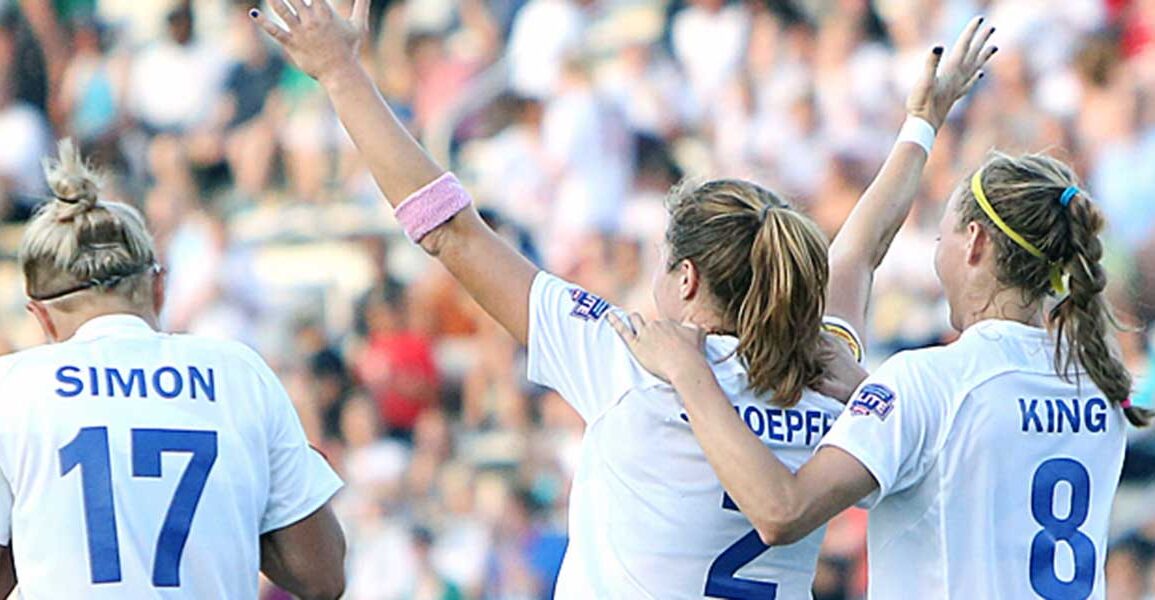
(890, 426)
(574, 350)
(845, 332)
(300, 479)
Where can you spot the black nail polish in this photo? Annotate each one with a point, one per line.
(981, 74)
(937, 50)
(981, 19)
(995, 49)
(254, 13)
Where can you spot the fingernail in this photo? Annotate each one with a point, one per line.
(937, 50)
(995, 49)
(254, 13)
(982, 74)
(981, 19)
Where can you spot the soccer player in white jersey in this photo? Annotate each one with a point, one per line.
(648, 519)
(989, 464)
(138, 464)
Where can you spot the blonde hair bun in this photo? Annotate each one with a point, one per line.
(73, 182)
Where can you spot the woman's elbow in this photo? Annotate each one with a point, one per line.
(780, 529)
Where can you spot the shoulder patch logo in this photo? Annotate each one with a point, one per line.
(874, 398)
(587, 306)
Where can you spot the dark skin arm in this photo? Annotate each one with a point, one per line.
(7, 571)
(307, 558)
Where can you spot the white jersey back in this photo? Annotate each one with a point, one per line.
(647, 515)
(137, 464)
(995, 476)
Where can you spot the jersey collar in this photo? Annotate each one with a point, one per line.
(1004, 327)
(106, 325)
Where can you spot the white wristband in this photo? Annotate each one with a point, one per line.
(917, 131)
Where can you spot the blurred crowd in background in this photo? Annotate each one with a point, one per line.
(568, 120)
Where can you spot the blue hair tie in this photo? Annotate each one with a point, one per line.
(1068, 195)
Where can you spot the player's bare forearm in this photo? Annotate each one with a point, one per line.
(495, 274)
(398, 163)
(307, 558)
(782, 506)
(866, 236)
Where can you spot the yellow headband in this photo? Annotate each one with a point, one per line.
(1057, 283)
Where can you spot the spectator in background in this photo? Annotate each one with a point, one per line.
(176, 82)
(545, 33)
(24, 131)
(709, 39)
(396, 366)
(250, 138)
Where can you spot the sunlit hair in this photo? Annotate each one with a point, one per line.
(1025, 192)
(78, 242)
(765, 265)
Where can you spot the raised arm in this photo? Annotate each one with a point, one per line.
(864, 239)
(325, 46)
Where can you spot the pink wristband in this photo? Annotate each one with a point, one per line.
(1126, 403)
(431, 206)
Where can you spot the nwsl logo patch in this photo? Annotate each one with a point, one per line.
(587, 306)
(873, 399)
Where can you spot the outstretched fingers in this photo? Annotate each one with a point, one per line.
(932, 61)
(275, 31)
(979, 47)
(963, 44)
(360, 14)
(289, 16)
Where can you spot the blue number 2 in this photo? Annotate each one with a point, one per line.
(1042, 564)
(721, 582)
(89, 450)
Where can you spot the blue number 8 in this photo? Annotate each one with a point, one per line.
(1042, 564)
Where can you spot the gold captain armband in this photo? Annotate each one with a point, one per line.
(843, 333)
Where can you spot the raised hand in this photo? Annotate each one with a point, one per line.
(939, 88)
(664, 348)
(317, 40)
(841, 373)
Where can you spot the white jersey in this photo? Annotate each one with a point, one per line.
(647, 515)
(136, 464)
(995, 476)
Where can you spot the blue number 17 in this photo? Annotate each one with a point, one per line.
(89, 450)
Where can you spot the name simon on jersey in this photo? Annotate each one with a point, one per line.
(784, 425)
(1060, 415)
(165, 382)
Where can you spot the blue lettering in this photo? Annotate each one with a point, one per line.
(64, 378)
(1030, 415)
(177, 382)
(209, 386)
(94, 381)
(793, 423)
(813, 425)
(751, 413)
(1095, 415)
(1050, 415)
(115, 380)
(827, 423)
(1070, 414)
(773, 422)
